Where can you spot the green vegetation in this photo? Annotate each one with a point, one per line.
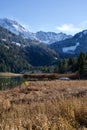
(77, 65)
(12, 59)
(33, 57)
(19, 55)
(82, 64)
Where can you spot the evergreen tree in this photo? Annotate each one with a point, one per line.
(81, 63)
(63, 66)
(71, 61)
(72, 64)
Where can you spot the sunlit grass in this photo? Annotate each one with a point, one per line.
(45, 105)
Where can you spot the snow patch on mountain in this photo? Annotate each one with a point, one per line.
(16, 28)
(51, 37)
(45, 37)
(4, 40)
(16, 43)
(6, 46)
(70, 49)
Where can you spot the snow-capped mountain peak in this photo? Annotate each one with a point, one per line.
(15, 28)
(51, 37)
(45, 37)
(8, 23)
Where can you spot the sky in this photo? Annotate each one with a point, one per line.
(67, 16)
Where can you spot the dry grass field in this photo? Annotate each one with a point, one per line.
(45, 105)
(49, 76)
(8, 74)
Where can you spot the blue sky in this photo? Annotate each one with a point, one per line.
(68, 16)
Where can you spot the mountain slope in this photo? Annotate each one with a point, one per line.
(45, 37)
(18, 54)
(16, 28)
(72, 46)
(51, 37)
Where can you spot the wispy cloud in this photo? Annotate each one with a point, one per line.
(71, 28)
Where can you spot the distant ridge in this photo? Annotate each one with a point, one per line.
(45, 37)
(71, 46)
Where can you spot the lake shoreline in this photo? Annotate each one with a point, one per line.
(8, 74)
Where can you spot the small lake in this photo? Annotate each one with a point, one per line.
(10, 82)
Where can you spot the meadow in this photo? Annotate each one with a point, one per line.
(45, 105)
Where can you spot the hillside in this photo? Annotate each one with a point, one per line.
(72, 46)
(41, 36)
(18, 54)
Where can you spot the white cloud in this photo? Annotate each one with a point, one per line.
(69, 28)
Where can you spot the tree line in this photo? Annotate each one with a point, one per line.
(70, 65)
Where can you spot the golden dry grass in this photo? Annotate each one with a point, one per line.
(49, 76)
(9, 74)
(45, 105)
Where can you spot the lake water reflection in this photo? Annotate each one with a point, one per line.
(10, 82)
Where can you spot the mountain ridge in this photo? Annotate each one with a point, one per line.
(72, 46)
(18, 54)
(45, 37)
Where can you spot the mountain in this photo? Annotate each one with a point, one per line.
(51, 37)
(45, 37)
(72, 46)
(16, 28)
(18, 54)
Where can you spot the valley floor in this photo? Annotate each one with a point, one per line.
(9, 74)
(45, 105)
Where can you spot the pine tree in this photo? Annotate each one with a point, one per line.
(81, 63)
(63, 66)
